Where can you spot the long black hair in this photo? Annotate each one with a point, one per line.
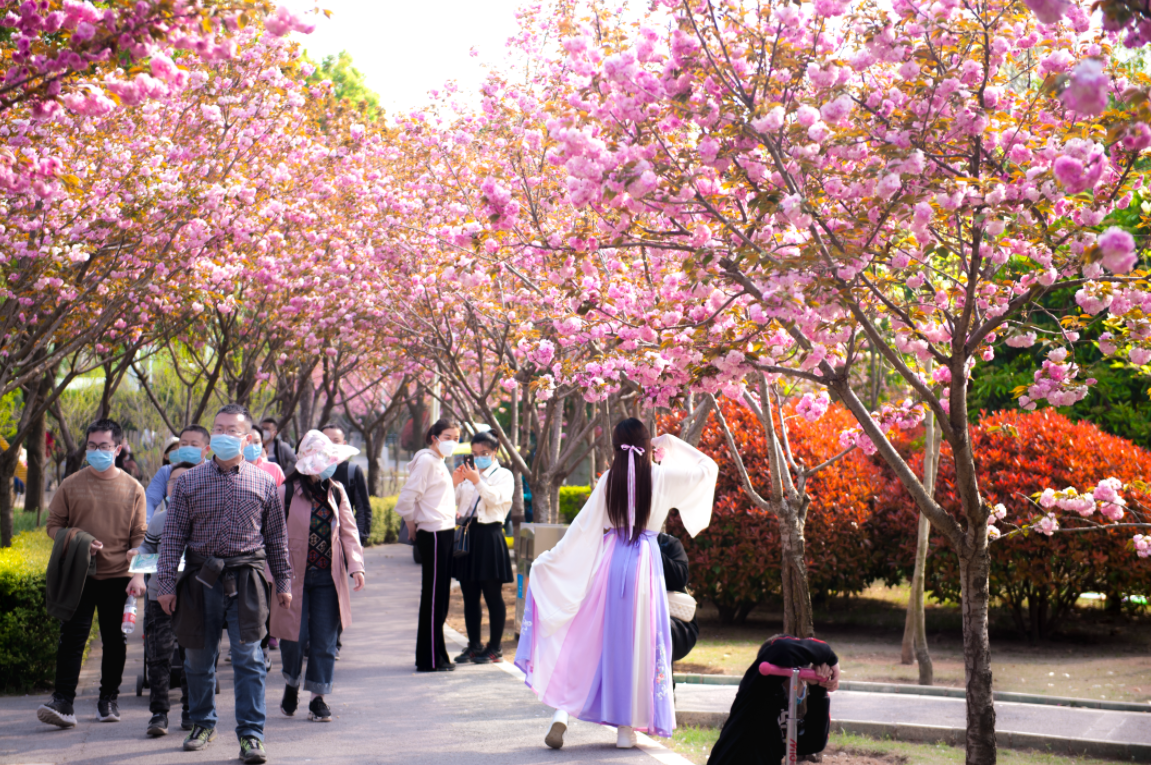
(630, 432)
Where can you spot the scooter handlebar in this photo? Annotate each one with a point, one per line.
(809, 675)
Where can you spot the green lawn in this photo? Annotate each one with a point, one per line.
(695, 744)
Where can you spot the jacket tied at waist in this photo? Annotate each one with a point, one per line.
(242, 577)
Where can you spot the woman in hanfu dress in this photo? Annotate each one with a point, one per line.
(595, 641)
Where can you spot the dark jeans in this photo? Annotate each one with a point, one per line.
(248, 672)
(319, 619)
(436, 552)
(492, 591)
(159, 647)
(106, 597)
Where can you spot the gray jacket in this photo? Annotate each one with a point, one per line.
(151, 545)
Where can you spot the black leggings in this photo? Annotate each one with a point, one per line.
(492, 590)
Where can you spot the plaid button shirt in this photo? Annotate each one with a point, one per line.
(224, 513)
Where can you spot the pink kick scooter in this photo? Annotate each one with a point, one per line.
(796, 674)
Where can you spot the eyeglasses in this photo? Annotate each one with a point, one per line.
(101, 447)
(238, 432)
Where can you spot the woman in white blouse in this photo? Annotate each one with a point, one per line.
(595, 641)
(427, 503)
(483, 500)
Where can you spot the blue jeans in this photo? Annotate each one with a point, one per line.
(247, 668)
(319, 625)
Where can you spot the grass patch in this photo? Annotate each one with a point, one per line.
(385, 521)
(843, 749)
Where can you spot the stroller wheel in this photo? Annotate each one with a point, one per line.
(217, 687)
(139, 685)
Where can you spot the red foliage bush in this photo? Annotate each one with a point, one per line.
(1037, 577)
(735, 562)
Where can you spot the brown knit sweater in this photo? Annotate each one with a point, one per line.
(110, 509)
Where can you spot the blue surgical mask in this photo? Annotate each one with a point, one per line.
(483, 463)
(226, 447)
(100, 461)
(191, 454)
(252, 452)
(328, 472)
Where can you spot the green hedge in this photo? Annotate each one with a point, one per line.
(385, 521)
(572, 499)
(28, 635)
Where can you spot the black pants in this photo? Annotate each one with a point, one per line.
(492, 591)
(106, 597)
(436, 551)
(160, 646)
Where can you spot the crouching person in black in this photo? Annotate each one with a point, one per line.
(755, 732)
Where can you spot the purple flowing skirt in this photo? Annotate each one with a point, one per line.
(612, 663)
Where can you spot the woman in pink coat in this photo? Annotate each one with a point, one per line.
(324, 548)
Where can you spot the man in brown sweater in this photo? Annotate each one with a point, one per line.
(108, 504)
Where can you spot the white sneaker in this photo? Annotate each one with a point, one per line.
(555, 736)
(625, 737)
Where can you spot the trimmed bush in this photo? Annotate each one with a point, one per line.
(1038, 578)
(572, 499)
(735, 562)
(28, 636)
(385, 521)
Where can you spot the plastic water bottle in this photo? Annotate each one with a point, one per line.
(128, 625)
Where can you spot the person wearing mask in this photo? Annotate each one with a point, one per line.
(483, 500)
(227, 513)
(171, 446)
(325, 549)
(427, 503)
(258, 456)
(160, 640)
(195, 443)
(278, 450)
(355, 483)
(108, 504)
(749, 736)
(595, 640)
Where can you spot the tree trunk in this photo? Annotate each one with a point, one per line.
(797, 618)
(8, 460)
(974, 570)
(915, 627)
(37, 467)
(374, 440)
(542, 510)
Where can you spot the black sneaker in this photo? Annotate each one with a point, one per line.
(252, 750)
(107, 710)
(318, 711)
(185, 720)
(489, 656)
(291, 701)
(57, 712)
(469, 654)
(199, 738)
(158, 725)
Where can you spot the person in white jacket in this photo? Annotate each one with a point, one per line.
(483, 499)
(427, 503)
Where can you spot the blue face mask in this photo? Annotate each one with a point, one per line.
(226, 447)
(100, 461)
(328, 472)
(483, 463)
(252, 452)
(191, 454)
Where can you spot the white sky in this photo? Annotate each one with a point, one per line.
(405, 49)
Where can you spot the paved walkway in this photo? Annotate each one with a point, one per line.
(387, 713)
(384, 711)
(1093, 724)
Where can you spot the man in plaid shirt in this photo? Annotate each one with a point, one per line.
(229, 515)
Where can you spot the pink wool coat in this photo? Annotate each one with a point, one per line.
(347, 559)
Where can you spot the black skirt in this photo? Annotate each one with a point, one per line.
(488, 559)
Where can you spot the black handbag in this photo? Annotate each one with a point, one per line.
(462, 543)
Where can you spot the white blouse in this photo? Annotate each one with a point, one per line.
(560, 578)
(495, 489)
